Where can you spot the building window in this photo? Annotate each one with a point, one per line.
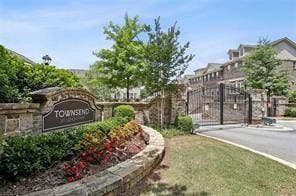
(294, 65)
(217, 74)
(229, 67)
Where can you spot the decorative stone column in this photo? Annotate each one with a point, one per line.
(259, 104)
(280, 104)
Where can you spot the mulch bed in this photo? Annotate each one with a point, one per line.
(55, 176)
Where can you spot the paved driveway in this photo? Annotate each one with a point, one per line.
(279, 144)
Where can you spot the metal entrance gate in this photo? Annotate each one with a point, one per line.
(219, 105)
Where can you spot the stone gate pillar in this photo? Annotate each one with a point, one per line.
(259, 104)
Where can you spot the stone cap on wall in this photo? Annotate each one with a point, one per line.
(19, 106)
(46, 93)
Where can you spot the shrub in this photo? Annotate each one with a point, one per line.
(125, 111)
(23, 156)
(291, 112)
(184, 123)
(107, 125)
(99, 149)
(292, 96)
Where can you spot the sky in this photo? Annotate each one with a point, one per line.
(69, 31)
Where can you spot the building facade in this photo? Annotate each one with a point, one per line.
(231, 72)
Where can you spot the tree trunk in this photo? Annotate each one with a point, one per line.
(161, 109)
(127, 94)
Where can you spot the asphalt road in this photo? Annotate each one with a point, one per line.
(276, 143)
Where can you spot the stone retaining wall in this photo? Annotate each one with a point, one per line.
(117, 179)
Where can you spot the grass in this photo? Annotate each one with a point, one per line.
(194, 165)
(172, 132)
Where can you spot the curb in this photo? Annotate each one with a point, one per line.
(286, 163)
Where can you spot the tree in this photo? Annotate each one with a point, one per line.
(17, 79)
(261, 70)
(99, 89)
(167, 59)
(123, 64)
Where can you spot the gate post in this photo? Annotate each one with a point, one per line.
(221, 92)
(250, 110)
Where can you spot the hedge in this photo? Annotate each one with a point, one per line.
(25, 155)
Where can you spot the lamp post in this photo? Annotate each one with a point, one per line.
(46, 60)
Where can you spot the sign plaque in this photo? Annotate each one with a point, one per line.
(66, 113)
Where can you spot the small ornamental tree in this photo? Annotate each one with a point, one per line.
(167, 58)
(123, 64)
(261, 70)
(167, 61)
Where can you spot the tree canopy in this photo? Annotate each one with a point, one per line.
(17, 78)
(167, 58)
(123, 64)
(262, 72)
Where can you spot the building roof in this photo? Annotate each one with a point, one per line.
(292, 43)
(26, 59)
(232, 50)
(213, 67)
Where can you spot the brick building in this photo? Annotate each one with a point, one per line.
(231, 72)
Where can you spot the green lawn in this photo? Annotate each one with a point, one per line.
(200, 166)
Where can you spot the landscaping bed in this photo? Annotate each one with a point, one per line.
(56, 176)
(43, 161)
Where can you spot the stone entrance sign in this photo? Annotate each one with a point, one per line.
(68, 113)
(61, 108)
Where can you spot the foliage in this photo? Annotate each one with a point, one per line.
(17, 78)
(23, 156)
(292, 96)
(102, 91)
(291, 112)
(123, 64)
(184, 123)
(167, 59)
(109, 124)
(261, 70)
(125, 111)
(99, 151)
